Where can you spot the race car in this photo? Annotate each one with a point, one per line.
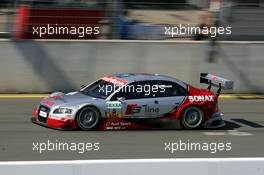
(135, 101)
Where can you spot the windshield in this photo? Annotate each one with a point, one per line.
(100, 89)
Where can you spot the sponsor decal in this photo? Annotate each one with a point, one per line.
(135, 109)
(201, 98)
(114, 80)
(114, 109)
(149, 109)
(118, 123)
(132, 109)
(113, 105)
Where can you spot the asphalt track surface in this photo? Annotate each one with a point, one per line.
(244, 130)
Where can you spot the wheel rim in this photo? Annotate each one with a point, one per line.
(193, 117)
(88, 118)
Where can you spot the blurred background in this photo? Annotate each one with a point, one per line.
(132, 39)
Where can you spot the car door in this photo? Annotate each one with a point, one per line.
(169, 96)
(136, 102)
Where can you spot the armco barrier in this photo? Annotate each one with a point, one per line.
(219, 166)
(34, 66)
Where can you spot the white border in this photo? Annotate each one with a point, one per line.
(243, 159)
(188, 166)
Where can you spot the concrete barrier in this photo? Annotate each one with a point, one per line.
(34, 66)
(213, 166)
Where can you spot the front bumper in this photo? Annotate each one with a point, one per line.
(55, 122)
(215, 121)
(64, 124)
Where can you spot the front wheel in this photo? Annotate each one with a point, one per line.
(88, 118)
(192, 118)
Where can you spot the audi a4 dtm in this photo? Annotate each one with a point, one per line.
(135, 101)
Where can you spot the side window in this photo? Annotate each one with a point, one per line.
(142, 89)
(135, 90)
(168, 89)
(126, 95)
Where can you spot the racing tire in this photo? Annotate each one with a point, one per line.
(192, 118)
(88, 118)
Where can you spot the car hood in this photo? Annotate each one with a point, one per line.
(69, 99)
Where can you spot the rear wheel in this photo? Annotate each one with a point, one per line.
(88, 118)
(192, 118)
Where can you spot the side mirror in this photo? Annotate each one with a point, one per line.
(82, 86)
(120, 99)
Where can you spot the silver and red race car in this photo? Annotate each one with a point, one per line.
(135, 101)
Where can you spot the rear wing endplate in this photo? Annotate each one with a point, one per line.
(216, 81)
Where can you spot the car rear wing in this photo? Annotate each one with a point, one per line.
(216, 81)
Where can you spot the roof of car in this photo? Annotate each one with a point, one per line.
(132, 77)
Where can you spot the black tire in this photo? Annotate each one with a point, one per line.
(192, 118)
(88, 118)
